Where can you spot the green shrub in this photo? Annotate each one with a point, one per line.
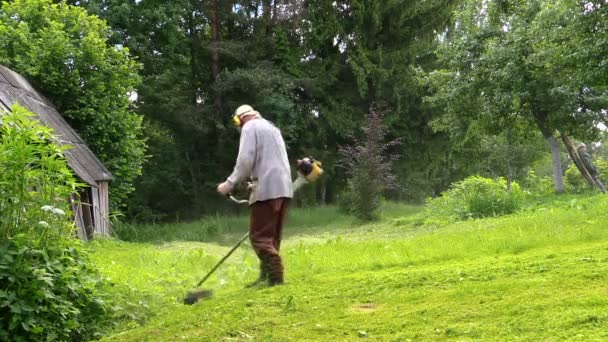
(47, 291)
(475, 197)
(574, 180)
(538, 186)
(576, 183)
(35, 182)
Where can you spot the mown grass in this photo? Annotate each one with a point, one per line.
(536, 275)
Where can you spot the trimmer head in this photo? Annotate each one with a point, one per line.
(194, 296)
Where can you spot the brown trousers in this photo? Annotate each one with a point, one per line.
(265, 231)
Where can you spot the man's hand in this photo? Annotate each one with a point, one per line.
(224, 188)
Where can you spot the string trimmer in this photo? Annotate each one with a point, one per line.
(309, 170)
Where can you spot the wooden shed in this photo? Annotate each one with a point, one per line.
(91, 209)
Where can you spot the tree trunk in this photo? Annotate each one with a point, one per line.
(268, 16)
(215, 54)
(194, 67)
(558, 179)
(557, 164)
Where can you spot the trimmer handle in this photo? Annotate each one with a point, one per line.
(236, 200)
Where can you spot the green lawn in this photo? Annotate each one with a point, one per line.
(537, 275)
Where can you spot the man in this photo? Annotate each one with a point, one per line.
(263, 158)
(588, 163)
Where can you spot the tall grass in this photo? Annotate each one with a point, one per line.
(223, 227)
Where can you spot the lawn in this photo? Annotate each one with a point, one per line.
(536, 275)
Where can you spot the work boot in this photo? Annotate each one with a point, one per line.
(262, 279)
(276, 279)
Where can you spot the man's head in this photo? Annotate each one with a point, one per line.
(581, 147)
(243, 114)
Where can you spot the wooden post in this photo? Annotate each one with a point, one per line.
(78, 219)
(96, 216)
(104, 208)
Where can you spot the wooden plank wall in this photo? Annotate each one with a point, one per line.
(78, 219)
(96, 212)
(103, 208)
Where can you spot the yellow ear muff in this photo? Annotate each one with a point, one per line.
(316, 172)
(236, 121)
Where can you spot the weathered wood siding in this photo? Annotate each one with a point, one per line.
(104, 209)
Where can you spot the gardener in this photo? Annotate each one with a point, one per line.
(263, 158)
(588, 163)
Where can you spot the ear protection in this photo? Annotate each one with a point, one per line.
(239, 112)
(309, 168)
(236, 121)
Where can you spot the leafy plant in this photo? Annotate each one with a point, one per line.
(538, 186)
(48, 293)
(47, 290)
(475, 197)
(35, 182)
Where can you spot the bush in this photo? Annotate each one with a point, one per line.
(35, 182)
(538, 186)
(574, 180)
(475, 197)
(47, 291)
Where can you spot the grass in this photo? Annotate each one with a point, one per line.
(536, 275)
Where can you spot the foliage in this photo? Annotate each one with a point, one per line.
(475, 197)
(537, 186)
(35, 182)
(48, 291)
(507, 64)
(369, 164)
(510, 154)
(303, 65)
(65, 53)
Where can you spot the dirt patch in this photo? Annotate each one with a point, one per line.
(365, 308)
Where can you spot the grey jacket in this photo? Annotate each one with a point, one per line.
(263, 157)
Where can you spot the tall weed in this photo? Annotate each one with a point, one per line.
(48, 291)
(35, 182)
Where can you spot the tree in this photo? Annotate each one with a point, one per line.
(302, 64)
(201, 60)
(502, 68)
(360, 52)
(65, 53)
(510, 154)
(368, 162)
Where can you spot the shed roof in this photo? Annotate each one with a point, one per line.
(85, 164)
